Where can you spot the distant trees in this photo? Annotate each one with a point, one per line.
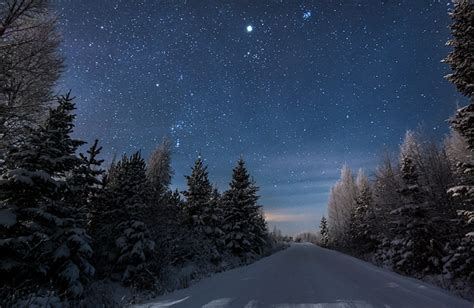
(277, 236)
(324, 232)
(307, 237)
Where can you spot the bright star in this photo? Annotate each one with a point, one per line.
(249, 28)
(306, 15)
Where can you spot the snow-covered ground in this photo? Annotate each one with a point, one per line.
(307, 276)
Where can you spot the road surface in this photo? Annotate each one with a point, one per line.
(307, 276)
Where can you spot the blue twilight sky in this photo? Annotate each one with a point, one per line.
(296, 87)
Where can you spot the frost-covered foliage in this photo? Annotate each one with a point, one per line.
(342, 201)
(159, 171)
(405, 218)
(413, 247)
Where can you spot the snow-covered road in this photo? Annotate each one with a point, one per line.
(308, 276)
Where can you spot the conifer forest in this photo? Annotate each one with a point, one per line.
(178, 153)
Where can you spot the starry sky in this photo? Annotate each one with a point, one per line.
(296, 87)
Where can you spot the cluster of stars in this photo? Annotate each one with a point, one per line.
(321, 84)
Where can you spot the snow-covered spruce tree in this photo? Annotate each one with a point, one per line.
(460, 262)
(202, 209)
(462, 56)
(84, 188)
(323, 232)
(123, 238)
(217, 212)
(461, 60)
(43, 235)
(414, 248)
(386, 187)
(85, 180)
(244, 225)
(29, 68)
(362, 238)
(199, 192)
(159, 171)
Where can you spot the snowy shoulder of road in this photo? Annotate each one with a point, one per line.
(308, 276)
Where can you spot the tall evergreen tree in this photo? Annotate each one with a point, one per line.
(462, 56)
(202, 206)
(414, 248)
(44, 238)
(199, 193)
(244, 225)
(85, 180)
(460, 261)
(124, 239)
(361, 231)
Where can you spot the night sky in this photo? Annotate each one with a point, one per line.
(296, 87)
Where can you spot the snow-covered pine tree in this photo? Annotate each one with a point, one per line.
(43, 235)
(323, 232)
(198, 194)
(362, 238)
(85, 180)
(414, 249)
(461, 59)
(217, 219)
(244, 225)
(123, 238)
(386, 187)
(202, 207)
(159, 171)
(462, 56)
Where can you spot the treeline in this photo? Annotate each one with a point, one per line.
(66, 222)
(416, 215)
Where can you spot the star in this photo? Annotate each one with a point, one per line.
(249, 28)
(306, 15)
